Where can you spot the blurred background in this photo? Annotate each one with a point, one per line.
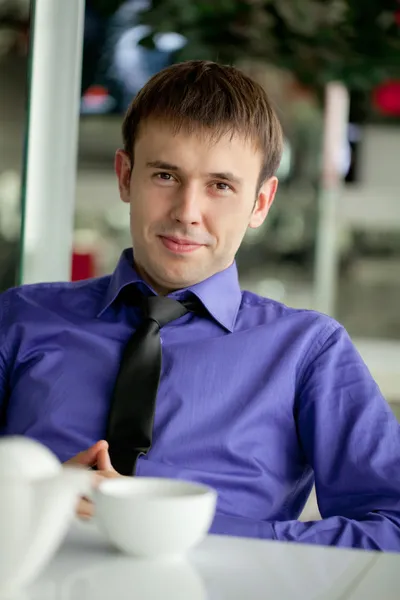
(332, 240)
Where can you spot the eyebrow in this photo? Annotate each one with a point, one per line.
(226, 175)
(159, 164)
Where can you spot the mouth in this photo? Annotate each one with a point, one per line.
(179, 246)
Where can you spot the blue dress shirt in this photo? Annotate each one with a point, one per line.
(257, 400)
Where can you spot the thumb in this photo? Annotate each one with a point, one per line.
(104, 461)
(89, 457)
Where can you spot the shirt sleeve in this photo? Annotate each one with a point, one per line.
(351, 438)
(3, 376)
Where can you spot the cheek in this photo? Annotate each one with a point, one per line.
(232, 219)
(146, 208)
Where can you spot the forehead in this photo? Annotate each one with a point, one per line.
(160, 140)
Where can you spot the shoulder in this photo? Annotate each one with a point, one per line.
(258, 311)
(310, 337)
(46, 299)
(266, 310)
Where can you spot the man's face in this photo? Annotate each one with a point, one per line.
(191, 201)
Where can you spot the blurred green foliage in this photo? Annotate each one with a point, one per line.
(355, 41)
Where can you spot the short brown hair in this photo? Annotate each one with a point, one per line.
(203, 94)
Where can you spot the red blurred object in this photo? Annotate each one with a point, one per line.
(95, 96)
(83, 266)
(386, 98)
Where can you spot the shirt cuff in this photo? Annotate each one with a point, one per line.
(241, 527)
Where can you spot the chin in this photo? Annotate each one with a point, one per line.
(174, 279)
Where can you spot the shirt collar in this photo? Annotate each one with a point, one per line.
(220, 293)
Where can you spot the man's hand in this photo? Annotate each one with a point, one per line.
(95, 456)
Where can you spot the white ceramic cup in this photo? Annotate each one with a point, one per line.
(152, 517)
(37, 504)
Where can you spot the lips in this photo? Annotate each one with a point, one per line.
(180, 246)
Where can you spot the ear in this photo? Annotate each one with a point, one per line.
(264, 202)
(123, 168)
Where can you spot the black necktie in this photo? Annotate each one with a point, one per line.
(130, 424)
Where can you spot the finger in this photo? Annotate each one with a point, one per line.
(104, 461)
(106, 475)
(89, 457)
(85, 509)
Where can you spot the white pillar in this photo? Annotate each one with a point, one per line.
(326, 255)
(50, 177)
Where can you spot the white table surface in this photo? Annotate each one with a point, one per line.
(87, 568)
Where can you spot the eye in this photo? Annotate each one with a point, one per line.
(163, 176)
(220, 186)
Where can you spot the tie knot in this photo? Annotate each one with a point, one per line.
(163, 310)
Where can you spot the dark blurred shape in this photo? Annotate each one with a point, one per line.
(115, 65)
(94, 37)
(9, 261)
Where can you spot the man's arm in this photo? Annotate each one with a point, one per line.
(3, 371)
(3, 389)
(351, 438)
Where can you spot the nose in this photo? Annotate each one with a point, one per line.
(187, 205)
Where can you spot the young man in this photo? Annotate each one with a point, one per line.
(255, 399)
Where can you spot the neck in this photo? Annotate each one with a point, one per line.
(160, 290)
